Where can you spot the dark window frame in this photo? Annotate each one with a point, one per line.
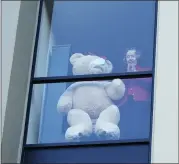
(60, 79)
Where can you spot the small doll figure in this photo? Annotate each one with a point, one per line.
(131, 60)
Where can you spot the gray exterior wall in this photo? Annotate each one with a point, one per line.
(19, 82)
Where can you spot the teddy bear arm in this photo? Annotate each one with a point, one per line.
(115, 89)
(65, 102)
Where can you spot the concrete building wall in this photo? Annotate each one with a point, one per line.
(165, 123)
(10, 15)
(21, 58)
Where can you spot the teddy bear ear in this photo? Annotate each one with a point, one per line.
(74, 57)
(110, 66)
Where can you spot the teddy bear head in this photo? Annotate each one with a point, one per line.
(89, 64)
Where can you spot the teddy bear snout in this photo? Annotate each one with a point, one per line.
(98, 65)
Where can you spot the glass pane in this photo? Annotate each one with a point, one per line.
(105, 36)
(90, 111)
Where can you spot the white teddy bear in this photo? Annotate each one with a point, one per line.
(88, 104)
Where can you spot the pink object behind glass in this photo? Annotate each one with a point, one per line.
(135, 87)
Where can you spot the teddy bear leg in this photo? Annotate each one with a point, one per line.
(107, 123)
(80, 125)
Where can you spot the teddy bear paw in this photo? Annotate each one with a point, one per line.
(108, 131)
(77, 132)
(117, 82)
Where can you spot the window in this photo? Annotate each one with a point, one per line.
(92, 83)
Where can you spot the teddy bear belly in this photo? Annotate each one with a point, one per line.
(91, 100)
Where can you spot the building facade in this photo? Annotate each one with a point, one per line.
(20, 36)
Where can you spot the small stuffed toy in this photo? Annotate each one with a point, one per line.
(89, 105)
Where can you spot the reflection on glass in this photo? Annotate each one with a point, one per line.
(103, 28)
(90, 111)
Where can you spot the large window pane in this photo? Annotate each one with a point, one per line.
(107, 29)
(128, 115)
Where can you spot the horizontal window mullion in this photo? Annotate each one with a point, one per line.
(58, 79)
(89, 144)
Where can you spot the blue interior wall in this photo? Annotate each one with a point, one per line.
(106, 28)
